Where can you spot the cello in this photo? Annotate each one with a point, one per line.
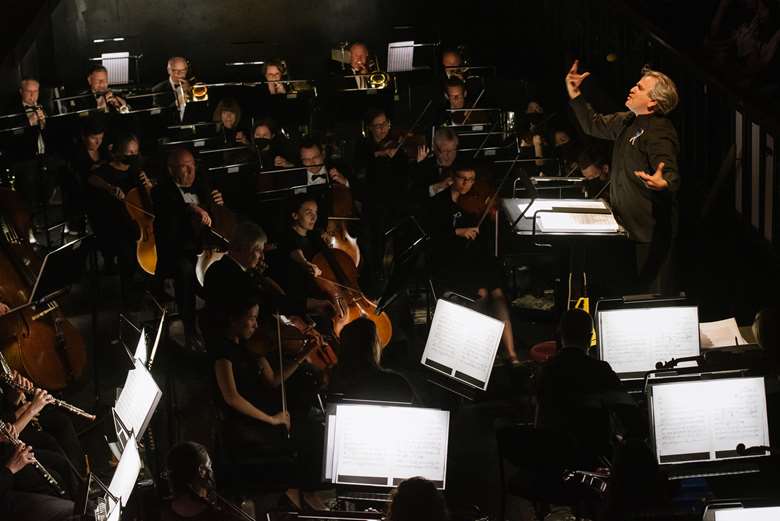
(38, 342)
(339, 280)
(139, 206)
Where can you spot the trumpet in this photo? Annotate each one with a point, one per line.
(8, 380)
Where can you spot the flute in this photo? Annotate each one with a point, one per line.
(5, 430)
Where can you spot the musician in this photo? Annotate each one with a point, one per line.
(273, 146)
(432, 175)
(580, 157)
(182, 203)
(106, 100)
(114, 229)
(567, 380)
(292, 266)
(22, 505)
(312, 156)
(191, 481)
(273, 72)
(358, 62)
(417, 499)
(87, 155)
(227, 115)
(359, 373)
(256, 422)
(4, 308)
(451, 62)
(457, 99)
(455, 264)
(173, 89)
(644, 172)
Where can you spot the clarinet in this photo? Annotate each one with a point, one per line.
(5, 429)
(62, 404)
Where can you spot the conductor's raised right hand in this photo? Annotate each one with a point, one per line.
(574, 79)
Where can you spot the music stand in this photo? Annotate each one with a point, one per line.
(404, 264)
(61, 268)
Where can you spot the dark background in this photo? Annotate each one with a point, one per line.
(728, 265)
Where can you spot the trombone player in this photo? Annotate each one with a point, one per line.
(176, 85)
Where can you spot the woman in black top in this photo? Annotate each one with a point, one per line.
(88, 155)
(359, 373)
(255, 422)
(115, 230)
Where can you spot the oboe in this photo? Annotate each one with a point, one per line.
(5, 430)
(58, 403)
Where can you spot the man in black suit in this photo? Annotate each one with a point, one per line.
(183, 205)
(172, 90)
(431, 175)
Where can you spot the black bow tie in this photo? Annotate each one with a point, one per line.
(187, 189)
(314, 177)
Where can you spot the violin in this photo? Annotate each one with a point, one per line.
(339, 280)
(40, 343)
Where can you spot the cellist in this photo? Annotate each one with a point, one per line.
(115, 231)
(459, 262)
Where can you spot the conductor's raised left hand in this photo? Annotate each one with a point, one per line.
(655, 181)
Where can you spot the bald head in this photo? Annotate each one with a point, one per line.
(181, 166)
(358, 53)
(177, 69)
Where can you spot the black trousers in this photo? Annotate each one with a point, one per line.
(26, 506)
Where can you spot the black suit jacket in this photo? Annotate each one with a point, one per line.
(177, 235)
(22, 146)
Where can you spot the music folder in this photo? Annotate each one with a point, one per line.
(462, 344)
(380, 444)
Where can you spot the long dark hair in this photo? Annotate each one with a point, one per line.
(357, 350)
(416, 499)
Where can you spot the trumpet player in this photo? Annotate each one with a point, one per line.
(106, 100)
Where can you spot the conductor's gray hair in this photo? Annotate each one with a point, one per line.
(664, 93)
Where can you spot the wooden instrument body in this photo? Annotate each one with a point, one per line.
(139, 206)
(346, 295)
(336, 232)
(38, 342)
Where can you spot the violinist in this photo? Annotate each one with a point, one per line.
(256, 420)
(459, 261)
(115, 231)
(431, 175)
(182, 206)
(191, 481)
(458, 99)
(313, 157)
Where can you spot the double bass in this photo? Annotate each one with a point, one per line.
(38, 342)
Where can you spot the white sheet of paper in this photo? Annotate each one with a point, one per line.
(709, 416)
(633, 340)
(577, 222)
(549, 204)
(390, 443)
(748, 514)
(722, 333)
(400, 56)
(126, 472)
(463, 340)
(138, 399)
(141, 352)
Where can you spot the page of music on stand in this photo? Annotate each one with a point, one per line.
(138, 399)
(380, 445)
(747, 514)
(633, 340)
(706, 419)
(126, 472)
(462, 344)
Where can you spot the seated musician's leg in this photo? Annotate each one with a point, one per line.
(184, 285)
(501, 309)
(57, 423)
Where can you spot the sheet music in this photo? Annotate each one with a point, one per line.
(748, 514)
(463, 340)
(141, 352)
(633, 340)
(126, 472)
(400, 56)
(138, 400)
(709, 416)
(722, 333)
(549, 204)
(330, 447)
(577, 222)
(390, 443)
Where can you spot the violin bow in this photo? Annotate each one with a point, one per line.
(281, 362)
(473, 106)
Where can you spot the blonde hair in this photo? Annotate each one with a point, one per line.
(664, 93)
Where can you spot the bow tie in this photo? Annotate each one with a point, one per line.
(314, 177)
(187, 189)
